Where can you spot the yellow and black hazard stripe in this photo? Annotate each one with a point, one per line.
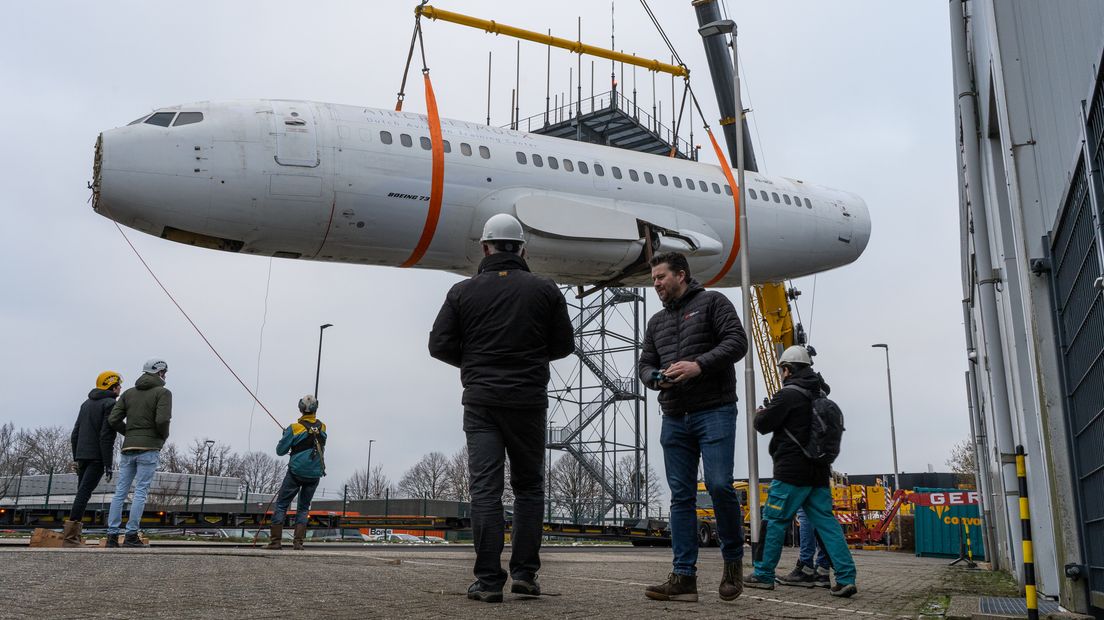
(1030, 593)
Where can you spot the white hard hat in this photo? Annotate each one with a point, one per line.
(796, 354)
(308, 404)
(503, 227)
(154, 366)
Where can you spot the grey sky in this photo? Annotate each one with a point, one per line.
(854, 95)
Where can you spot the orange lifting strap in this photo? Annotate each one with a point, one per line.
(437, 182)
(736, 211)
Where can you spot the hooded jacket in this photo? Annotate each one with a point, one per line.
(142, 414)
(93, 438)
(306, 457)
(700, 326)
(793, 411)
(502, 328)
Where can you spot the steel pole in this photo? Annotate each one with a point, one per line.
(745, 290)
(318, 366)
(368, 474)
(206, 470)
(893, 436)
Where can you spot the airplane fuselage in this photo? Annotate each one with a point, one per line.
(342, 183)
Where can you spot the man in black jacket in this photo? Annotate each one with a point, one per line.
(93, 442)
(690, 349)
(798, 482)
(502, 328)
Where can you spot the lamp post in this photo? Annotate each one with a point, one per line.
(368, 473)
(318, 367)
(892, 431)
(19, 485)
(206, 470)
(722, 27)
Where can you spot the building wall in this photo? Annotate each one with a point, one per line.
(1030, 65)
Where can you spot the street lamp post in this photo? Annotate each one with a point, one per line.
(318, 367)
(368, 473)
(19, 485)
(892, 431)
(206, 470)
(721, 27)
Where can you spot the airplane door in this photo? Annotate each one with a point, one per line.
(846, 224)
(296, 134)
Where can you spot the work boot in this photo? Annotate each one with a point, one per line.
(526, 587)
(751, 581)
(801, 576)
(132, 540)
(71, 533)
(677, 588)
(732, 582)
(112, 541)
(275, 537)
(843, 590)
(300, 535)
(478, 591)
(822, 580)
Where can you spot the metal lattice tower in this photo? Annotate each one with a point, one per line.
(598, 412)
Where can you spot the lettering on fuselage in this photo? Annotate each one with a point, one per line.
(408, 196)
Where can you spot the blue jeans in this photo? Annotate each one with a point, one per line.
(811, 544)
(778, 514)
(293, 484)
(137, 467)
(711, 436)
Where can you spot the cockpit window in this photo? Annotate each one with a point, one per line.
(138, 120)
(161, 119)
(188, 118)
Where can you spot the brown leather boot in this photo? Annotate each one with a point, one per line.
(71, 533)
(276, 537)
(300, 535)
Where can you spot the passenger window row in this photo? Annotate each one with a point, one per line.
(427, 144)
(786, 198)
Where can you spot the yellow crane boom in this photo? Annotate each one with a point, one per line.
(773, 329)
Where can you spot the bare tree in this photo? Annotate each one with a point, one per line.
(379, 484)
(427, 478)
(363, 486)
(459, 483)
(47, 449)
(575, 493)
(172, 460)
(261, 471)
(224, 461)
(963, 461)
(646, 483)
(9, 450)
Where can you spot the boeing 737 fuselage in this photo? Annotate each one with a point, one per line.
(340, 183)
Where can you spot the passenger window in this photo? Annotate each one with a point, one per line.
(599, 170)
(663, 180)
(538, 161)
(633, 175)
(690, 184)
(405, 140)
(448, 147)
(465, 149)
(786, 198)
(188, 118)
(484, 152)
(568, 166)
(161, 119)
(553, 163)
(583, 167)
(616, 172)
(678, 182)
(808, 204)
(728, 190)
(385, 137)
(427, 144)
(751, 192)
(648, 178)
(702, 186)
(521, 158)
(775, 195)
(716, 188)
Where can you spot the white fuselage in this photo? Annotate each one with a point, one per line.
(350, 184)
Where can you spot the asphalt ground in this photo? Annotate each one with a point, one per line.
(418, 582)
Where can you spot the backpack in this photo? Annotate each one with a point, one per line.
(825, 428)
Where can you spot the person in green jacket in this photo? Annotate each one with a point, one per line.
(142, 416)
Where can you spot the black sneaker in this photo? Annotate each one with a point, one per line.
(751, 581)
(822, 580)
(682, 588)
(132, 540)
(843, 590)
(525, 587)
(480, 592)
(112, 541)
(801, 576)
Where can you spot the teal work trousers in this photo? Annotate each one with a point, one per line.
(778, 513)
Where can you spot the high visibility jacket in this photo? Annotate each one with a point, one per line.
(306, 440)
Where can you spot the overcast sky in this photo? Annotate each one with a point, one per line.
(853, 95)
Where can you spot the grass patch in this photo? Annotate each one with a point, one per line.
(979, 582)
(934, 606)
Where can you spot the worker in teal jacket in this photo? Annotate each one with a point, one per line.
(305, 439)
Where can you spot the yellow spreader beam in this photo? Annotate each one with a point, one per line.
(537, 37)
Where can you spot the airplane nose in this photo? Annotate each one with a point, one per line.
(861, 223)
(97, 170)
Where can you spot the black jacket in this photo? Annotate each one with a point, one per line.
(93, 438)
(791, 410)
(502, 328)
(701, 326)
